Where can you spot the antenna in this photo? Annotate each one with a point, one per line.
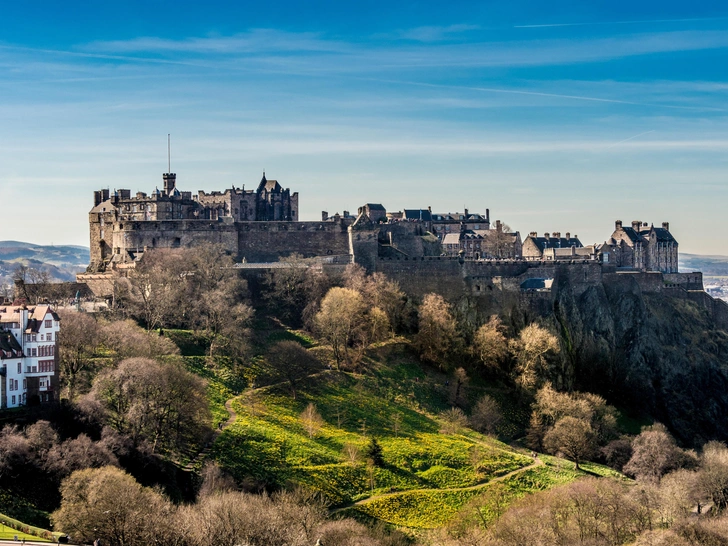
(169, 154)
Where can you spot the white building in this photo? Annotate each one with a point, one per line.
(28, 355)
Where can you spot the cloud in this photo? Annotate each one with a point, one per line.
(608, 23)
(436, 33)
(258, 40)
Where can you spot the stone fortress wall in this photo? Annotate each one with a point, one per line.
(404, 251)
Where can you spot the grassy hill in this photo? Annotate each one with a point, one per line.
(428, 476)
(61, 262)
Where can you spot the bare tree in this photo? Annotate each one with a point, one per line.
(161, 403)
(341, 321)
(351, 453)
(490, 343)
(437, 334)
(499, 242)
(486, 415)
(572, 437)
(534, 346)
(655, 453)
(78, 340)
(291, 363)
(311, 420)
(108, 504)
(453, 421)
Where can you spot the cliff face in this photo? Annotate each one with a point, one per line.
(658, 354)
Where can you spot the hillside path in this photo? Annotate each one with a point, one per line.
(232, 416)
(536, 462)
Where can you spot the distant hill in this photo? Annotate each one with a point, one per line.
(709, 265)
(62, 262)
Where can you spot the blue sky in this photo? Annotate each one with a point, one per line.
(559, 116)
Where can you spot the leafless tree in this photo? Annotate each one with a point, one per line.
(490, 343)
(437, 333)
(292, 363)
(78, 339)
(573, 437)
(486, 415)
(160, 402)
(311, 420)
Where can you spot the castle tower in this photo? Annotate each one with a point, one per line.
(170, 182)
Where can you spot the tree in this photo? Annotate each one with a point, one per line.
(341, 322)
(374, 453)
(437, 334)
(654, 454)
(108, 504)
(499, 241)
(161, 403)
(295, 288)
(77, 342)
(713, 477)
(534, 346)
(486, 415)
(381, 293)
(311, 420)
(157, 288)
(490, 344)
(573, 437)
(292, 363)
(453, 421)
(350, 453)
(127, 340)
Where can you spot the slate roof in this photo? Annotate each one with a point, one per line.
(268, 185)
(458, 217)
(8, 344)
(418, 214)
(451, 239)
(375, 206)
(554, 242)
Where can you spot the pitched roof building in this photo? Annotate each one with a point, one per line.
(644, 247)
(28, 355)
(550, 247)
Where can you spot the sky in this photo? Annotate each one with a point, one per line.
(555, 116)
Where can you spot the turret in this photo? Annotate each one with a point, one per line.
(170, 182)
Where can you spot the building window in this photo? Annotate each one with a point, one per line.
(34, 337)
(13, 400)
(25, 384)
(49, 324)
(33, 352)
(19, 367)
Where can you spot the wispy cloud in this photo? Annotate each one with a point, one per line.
(257, 40)
(610, 23)
(436, 33)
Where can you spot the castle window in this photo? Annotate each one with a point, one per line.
(177, 242)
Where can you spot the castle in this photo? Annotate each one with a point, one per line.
(262, 225)
(458, 255)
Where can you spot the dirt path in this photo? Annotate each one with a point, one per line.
(232, 416)
(536, 462)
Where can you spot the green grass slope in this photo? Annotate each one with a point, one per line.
(427, 477)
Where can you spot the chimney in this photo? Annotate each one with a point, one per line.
(556, 235)
(618, 225)
(533, 234)
(324, 215)
(346, 214)
(487, 215)
(568, 235)
(636, 224)
(466, 212)
(666, 225)
(97, 198)
(546, 235)
(498, 225)
(170, 182)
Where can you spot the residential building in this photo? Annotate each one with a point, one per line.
(552, 247)
(644, 247)
(28, 355)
